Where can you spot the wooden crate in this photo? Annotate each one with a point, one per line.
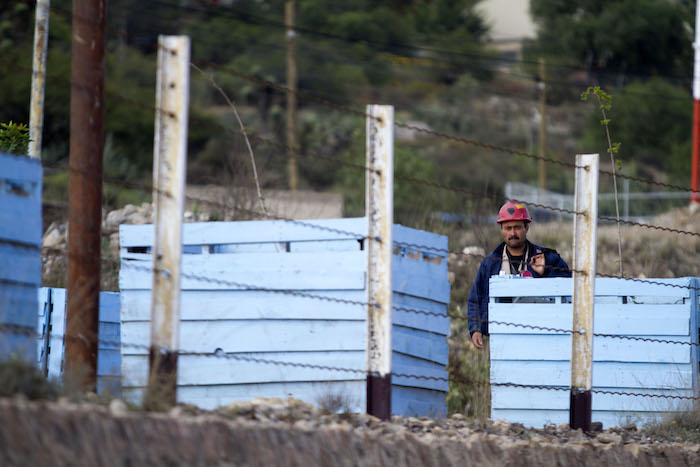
(20, 254)
(50, 345)
(525, 356)
(230, 320)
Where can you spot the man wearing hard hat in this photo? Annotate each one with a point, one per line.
(517, 256)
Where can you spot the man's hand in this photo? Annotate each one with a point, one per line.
(537, 262)
(478, 340)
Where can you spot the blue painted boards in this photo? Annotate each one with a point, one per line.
(221, 315)
(20, 254)
(629, 308)
(50, 346)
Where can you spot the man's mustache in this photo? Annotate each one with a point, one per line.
(514, 237)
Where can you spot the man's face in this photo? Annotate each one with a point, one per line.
(514, 233)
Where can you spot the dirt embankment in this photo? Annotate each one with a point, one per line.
(290, 433)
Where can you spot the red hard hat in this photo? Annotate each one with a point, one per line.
(513, 211)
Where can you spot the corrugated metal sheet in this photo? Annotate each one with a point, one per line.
(222, 318)
(534, 357)
(20, 253)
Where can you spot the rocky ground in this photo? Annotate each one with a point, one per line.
(290, 432)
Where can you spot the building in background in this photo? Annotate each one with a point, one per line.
(510, 23)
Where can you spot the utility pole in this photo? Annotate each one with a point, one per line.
(542, 85)
(85, 192)
(291, 93)
(380, 219)
(169, 168)
(36, 107)
(695, 164)
(584, 270)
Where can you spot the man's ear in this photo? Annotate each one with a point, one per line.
(527, 226)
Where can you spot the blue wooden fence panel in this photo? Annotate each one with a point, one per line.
(539, 357)
(20, 253)
(221, 317)
(51, 328)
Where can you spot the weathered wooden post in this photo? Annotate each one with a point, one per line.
(380, 218)
(584, 260)
(36, 107)
(169, 168)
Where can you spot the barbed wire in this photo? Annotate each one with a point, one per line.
(649, 226)
(31, 332)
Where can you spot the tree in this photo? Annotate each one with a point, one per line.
(653, 121)
(637, 37)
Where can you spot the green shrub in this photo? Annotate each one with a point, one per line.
(14, 138)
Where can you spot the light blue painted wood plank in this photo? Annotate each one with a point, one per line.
(254, 336)
(211, 397)
(19, 345)
(422, 344)
(18, 304)
(241, 304)
(19, 168)
(538, 418)
(558, 347)
(109, 363)
(408, 402)
(628, 320)
(694, 337)
(420, 237)
(420, 279)
(298, 271)
(523, 287)
(199, 233)
(110, 307)
(436, 324)
(543, 399)
(110, 335)
(608, 374)
(324, 246)
(109, 385)
(20, 265)
(200, 370)
(406, 364)
(532, 418)
(20, 199)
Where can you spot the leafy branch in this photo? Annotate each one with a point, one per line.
(14, 138)
(605, 103)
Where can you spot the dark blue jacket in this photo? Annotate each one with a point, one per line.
(477, 306)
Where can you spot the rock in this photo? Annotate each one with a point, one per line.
(118, 407)
(474, 251)
(609, 438)
(129, 209)
(596, 427)
(54, 237)
(630, 427)
(564, 427)
(457, 416)
(114, 220)
(577, 436)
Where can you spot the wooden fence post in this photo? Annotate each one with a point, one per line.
(584, 260)
(36, 106)
(380, 220)
(169, 168)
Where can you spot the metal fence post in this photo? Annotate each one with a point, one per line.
(380, 220)
(169, 168)
(584, 260)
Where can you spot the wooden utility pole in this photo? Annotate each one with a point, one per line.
(695, 157)
(584, 260)
(36, 107)
(169, 168)
(542, 85)
(85, 189)
(291, 93)
(380, 219)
